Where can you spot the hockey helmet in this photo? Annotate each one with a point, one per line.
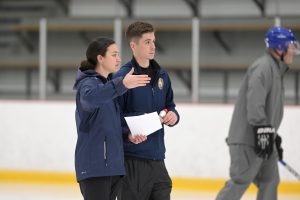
(279, 38)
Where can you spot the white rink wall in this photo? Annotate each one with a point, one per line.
(41, 136)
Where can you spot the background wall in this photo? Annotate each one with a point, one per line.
(179, 8)
(231, 38)
(41, 136)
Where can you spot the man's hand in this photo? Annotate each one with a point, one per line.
(137, 138)
(170, 119)
(278, 141)
(264, 141)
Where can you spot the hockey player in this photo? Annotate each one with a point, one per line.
(256, 118)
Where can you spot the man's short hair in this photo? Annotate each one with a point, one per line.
(137, 29)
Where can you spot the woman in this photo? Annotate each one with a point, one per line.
(99, 160)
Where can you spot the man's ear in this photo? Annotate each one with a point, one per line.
(279, 52)
(132, 45)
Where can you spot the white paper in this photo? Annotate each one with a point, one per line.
(144, 124)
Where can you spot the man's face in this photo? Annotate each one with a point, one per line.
(144, 48)
(291, 52)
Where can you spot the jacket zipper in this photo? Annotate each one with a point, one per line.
(105, 157)
(153, 95)
(152, 87)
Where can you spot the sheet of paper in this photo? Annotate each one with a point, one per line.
(144, 124)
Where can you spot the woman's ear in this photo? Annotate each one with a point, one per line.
(99, 58)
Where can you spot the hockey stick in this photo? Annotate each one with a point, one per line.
(290, 169)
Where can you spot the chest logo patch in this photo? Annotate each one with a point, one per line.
(160, 83)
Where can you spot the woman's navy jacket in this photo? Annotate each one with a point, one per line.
(99, 148)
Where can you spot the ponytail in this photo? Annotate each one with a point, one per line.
(96, 47)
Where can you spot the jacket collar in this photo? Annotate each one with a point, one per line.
(137, 67)
(281, 66)
(88, 73)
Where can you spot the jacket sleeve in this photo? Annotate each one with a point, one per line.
(94, 94)
(259, 83)
(170, 105)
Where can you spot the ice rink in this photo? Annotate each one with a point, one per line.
(12, 191)
(54, 166)
(207, 49)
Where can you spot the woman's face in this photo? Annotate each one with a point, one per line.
(111, 61)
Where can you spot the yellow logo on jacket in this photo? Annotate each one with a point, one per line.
(160, 83)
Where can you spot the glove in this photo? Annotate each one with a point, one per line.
(264, 141)
(278, 141)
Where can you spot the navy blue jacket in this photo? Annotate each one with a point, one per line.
(147, 99)
(99, 148)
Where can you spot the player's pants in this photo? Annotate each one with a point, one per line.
(145, 180)
(247, 167)
(104, 188)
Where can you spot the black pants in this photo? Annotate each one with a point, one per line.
(100, 188)
(146, 180)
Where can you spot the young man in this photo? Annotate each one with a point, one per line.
(256, 118)
(146, 174)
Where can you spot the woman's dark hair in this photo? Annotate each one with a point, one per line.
(97, 47)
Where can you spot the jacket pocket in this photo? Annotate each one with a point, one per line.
(240, 162)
